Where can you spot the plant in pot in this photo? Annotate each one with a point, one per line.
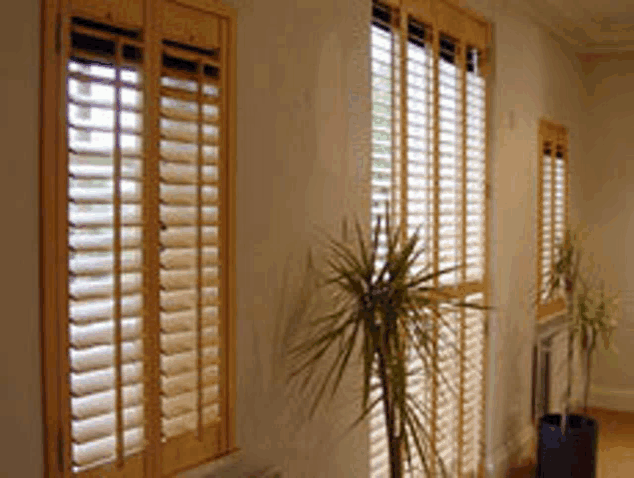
(568, 443)
(385, 307)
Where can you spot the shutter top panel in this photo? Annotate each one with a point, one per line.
(553, 133)
(421, 9)
(444, 16)
(190, 26)
(120, 12)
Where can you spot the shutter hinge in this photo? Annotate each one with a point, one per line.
(60, 451)
(486, 60)
(58, 35)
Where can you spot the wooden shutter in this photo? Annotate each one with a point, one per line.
(193, 219)
(104, 188)
(383, 188)
(385, 126)
(136, 178)
(552, 210)
(429, 147)
(473, 331)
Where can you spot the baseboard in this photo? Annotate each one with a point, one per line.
(503, 456)
(612, 398)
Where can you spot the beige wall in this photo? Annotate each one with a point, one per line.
(20, 396)
(536, 75)
(303, 144)
(608, 201)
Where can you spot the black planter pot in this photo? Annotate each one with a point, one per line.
(551, 453)
(570, 454)
(581, 440)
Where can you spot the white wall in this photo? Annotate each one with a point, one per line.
(608, 208)
(21, 451)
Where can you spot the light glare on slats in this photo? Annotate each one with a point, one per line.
(190, 270)
(458, 228)
(92, 122)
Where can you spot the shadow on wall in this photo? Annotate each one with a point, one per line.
(274, 415)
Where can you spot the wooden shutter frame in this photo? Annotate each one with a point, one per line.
(470, 29)
(55, 21)
(556, 135)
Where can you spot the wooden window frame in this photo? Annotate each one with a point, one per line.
(555, 135)
(469, 30)
(55, 18)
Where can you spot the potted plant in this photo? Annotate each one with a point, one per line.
(568, 442)
(385, 307)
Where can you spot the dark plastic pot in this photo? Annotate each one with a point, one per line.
(581, 441)
(551, 460)
(572, 454)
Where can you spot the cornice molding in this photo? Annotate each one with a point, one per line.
(579, 36)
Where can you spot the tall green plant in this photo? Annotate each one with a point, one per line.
(597, 318)
(382, 307)
(564, 277)
(591, 312)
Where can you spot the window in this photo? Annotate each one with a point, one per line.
(552, 214)
(137, 218)
(429, 162)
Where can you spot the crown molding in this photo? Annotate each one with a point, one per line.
(577, 35)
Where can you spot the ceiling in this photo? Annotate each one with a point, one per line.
(592, 26)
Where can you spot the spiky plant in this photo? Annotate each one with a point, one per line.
(385, 307)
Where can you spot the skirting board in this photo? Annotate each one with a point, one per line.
(612, 398)
(501, 457)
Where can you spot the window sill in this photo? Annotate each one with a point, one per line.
(233, 465)
(551, 324)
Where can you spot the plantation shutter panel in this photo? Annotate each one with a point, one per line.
(553, 209)
(473, 333)
(193, 221)
(383, 189)
(105, 156)
(420, 136)
(431, 166)
(138, 269)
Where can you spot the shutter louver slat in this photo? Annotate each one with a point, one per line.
(99, 310)
(100, 168)
(82, 288)
(99, 263)
(183, 320)
(100, 357)
(187, 382)
(105, 302)
(104, 425)
(101, 380)
(103, 403)
(184, 362)
(102, 333)
(103, 450)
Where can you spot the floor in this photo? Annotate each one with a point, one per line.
(616, 447)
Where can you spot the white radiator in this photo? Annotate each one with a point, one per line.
(552, 373)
